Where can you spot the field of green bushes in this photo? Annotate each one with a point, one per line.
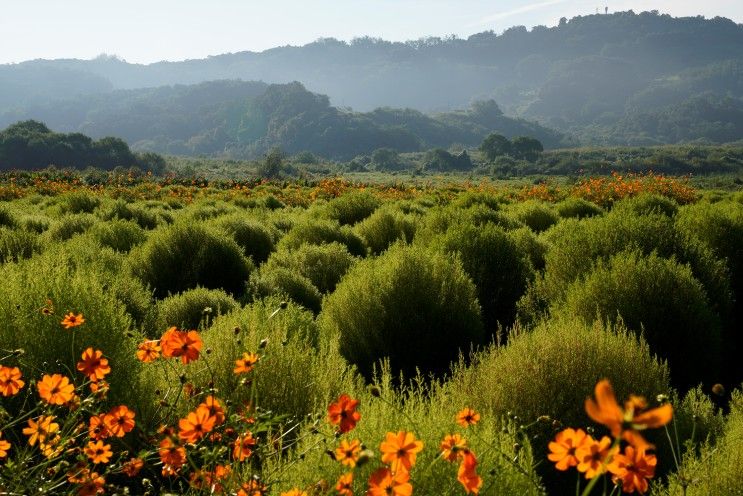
(417, 304)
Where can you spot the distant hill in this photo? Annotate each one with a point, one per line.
(246, 119)
(597, 77)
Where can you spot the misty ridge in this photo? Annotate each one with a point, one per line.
(618, 79)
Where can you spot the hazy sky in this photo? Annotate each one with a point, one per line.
(151, 30)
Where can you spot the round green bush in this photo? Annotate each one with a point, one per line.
(317, 232)
(187, 255)
(353, 207)
(255, 238)
(577, 208)
(719, 227)
(551, 371)
(661, 299)
(7, 219)
(718, 467)
(415, 307)
(297, 373)
(53, 277)
(284, 282)
(495, 264)
(35, 223)
(576, 245)
(533, 246)
(193, 309)
(70, 225)
(470, 199)
(648, 203)
(146, 219)
(323, 265)
(384, 227)
(120, 235)
(78, 202)
(16, 244)
(537, 215)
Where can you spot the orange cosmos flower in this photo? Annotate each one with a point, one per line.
(183, 344)
(348, 453)
(294, 492)
(467, 417)
(633, 468)
(244, 445)
(344, 486)
(40, 429)
(97, 427)
(453, 447)
(563, 450)
(215, 408)
(119, 420)
(400, 450)
(98, 452)
(467, 474)
(4, 447)
(10, 380)
(252, 488)
(132, 467)
(592, 456)
(56, 389)
(148, 351)
(343, 413)
(92, 485)
(626, 423)
(246, 363)
(93, 365)
(72, 320)
(196, 425)
(171, 454)
(384, 482)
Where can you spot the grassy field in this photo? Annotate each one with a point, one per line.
(370, 334)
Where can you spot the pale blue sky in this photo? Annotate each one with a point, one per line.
(151, 30)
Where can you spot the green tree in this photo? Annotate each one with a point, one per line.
(272, 164)
(494, 146)
(526, 148)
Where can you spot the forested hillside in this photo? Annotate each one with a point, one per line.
(624, 79)
(246, 119)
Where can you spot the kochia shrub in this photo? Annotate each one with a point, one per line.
(187, 255)
(70, 225)
(193, 309)
(282, 282)
(16, 244)
(256, 239)
(120, 235)
(7, 219)
(78, 202)
(352, 207)
(648, 203)
(577, 208)
(384, 227)
(661, 299)
(718, 467)
(416, 307)
(323, 265)
(53, 282)
(317, 232)
(297, 374)
(538, 216)
(495, 264)
(576, 245)
(146, 219)
(552, 369)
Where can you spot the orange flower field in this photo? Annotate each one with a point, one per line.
(163, 336)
